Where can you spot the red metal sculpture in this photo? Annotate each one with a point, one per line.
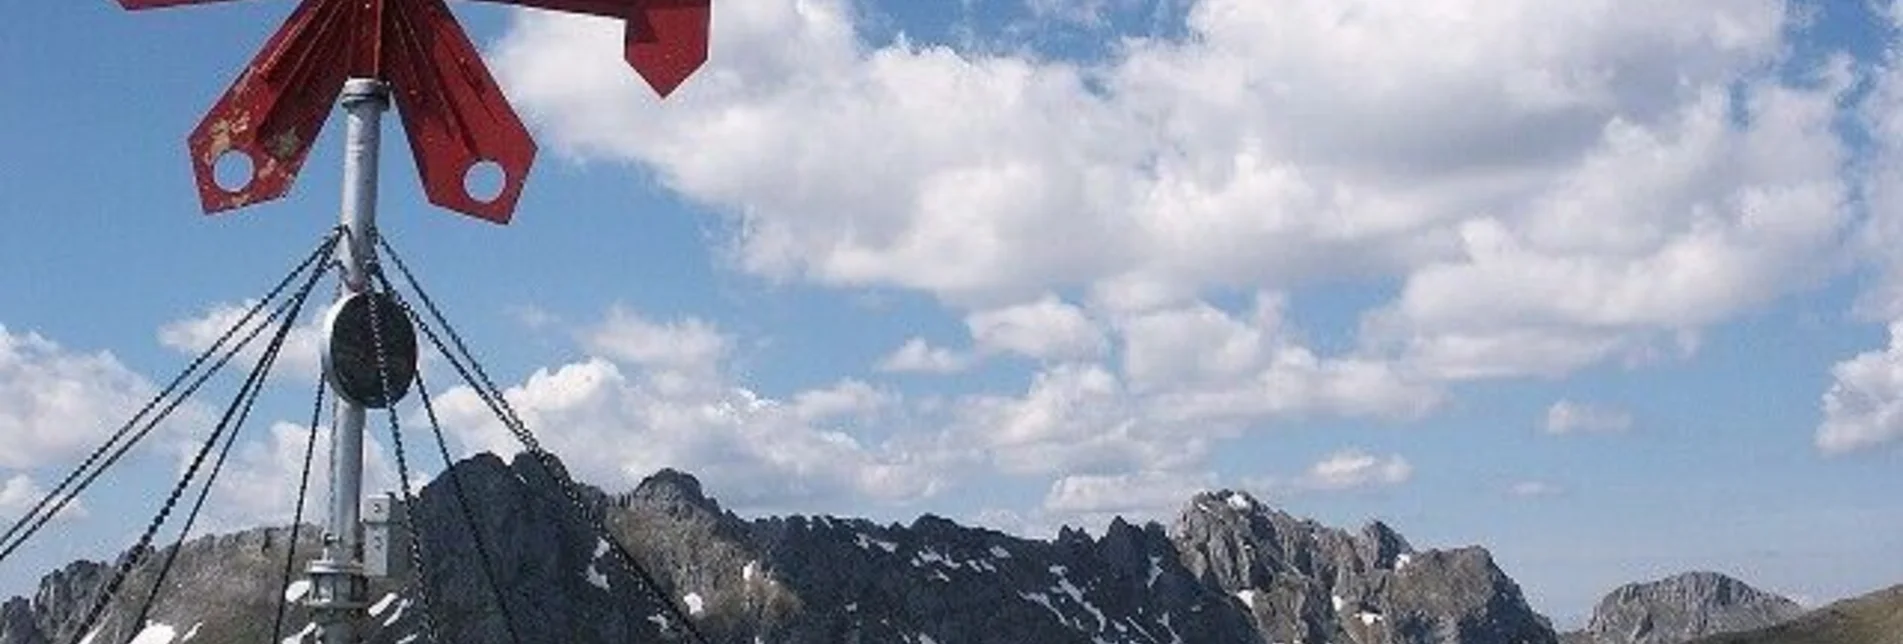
(454, 114)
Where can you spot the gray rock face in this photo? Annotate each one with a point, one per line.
(1228, 570)
(1682, 608)
(227, 583)
(1302, 582)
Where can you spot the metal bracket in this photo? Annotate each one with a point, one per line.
(386, 536)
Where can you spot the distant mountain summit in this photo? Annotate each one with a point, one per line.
(1681, 608)
(221, 589)
(1299, 581)
(1228, 570)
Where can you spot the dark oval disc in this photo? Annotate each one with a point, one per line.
(350, 351)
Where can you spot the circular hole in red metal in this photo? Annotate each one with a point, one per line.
(233, 170)
(484, 181)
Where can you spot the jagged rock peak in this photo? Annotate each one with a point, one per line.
(933, 524)
(1381, 547)
(1225, 500)
(1121, 530)
(1233, 571)
(1301, 581)
(674, 489)
(1236, 513)
(1380, 533)
(1070, 535)
(1684, 607)
(1718, 587)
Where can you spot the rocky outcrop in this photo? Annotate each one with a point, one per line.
(1228, 570)
(227, 581)
(1681, 608)
(1303, 582)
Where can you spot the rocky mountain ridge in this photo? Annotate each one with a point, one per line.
(1682, 608)
(1228, 569)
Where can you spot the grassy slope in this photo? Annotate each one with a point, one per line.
(1876, 618)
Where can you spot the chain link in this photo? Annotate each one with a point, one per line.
(419, 582)
(297, 517)
(40, 514)
(491, 396)
(139, 551)
(249, 397)
(462, 502)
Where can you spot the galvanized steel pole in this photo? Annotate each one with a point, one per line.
(340, 591)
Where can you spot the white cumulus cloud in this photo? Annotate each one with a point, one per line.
(919, 356)
(690, 344)
(635, 407)
(301, 355)
(57, 404)
(1142, 493)
(1048, 329)
(1197, 364)
(1864, 406)
(1552, 184)
(1091, 501)
(1546, 185)
(1045, 329)
(1882, 116)
(1072, 416)
(21, 493)
(1355, 469)
(259, 483)
(1569, 417)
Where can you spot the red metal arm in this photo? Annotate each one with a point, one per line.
(666, 40)
(276, 107)
(453, 112)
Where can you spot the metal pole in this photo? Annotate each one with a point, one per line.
(339, 588)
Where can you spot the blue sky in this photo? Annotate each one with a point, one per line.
(1606, 288)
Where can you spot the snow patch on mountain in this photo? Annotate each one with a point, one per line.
(297, 590)
(382, 604)
(155, 633)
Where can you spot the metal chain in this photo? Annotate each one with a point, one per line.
(491, 396)
(138, 551)
(487, 384)
(254, 385)
(462, 502)
(572, 493)
(35, 515)
(420, 580)
(297, 516)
